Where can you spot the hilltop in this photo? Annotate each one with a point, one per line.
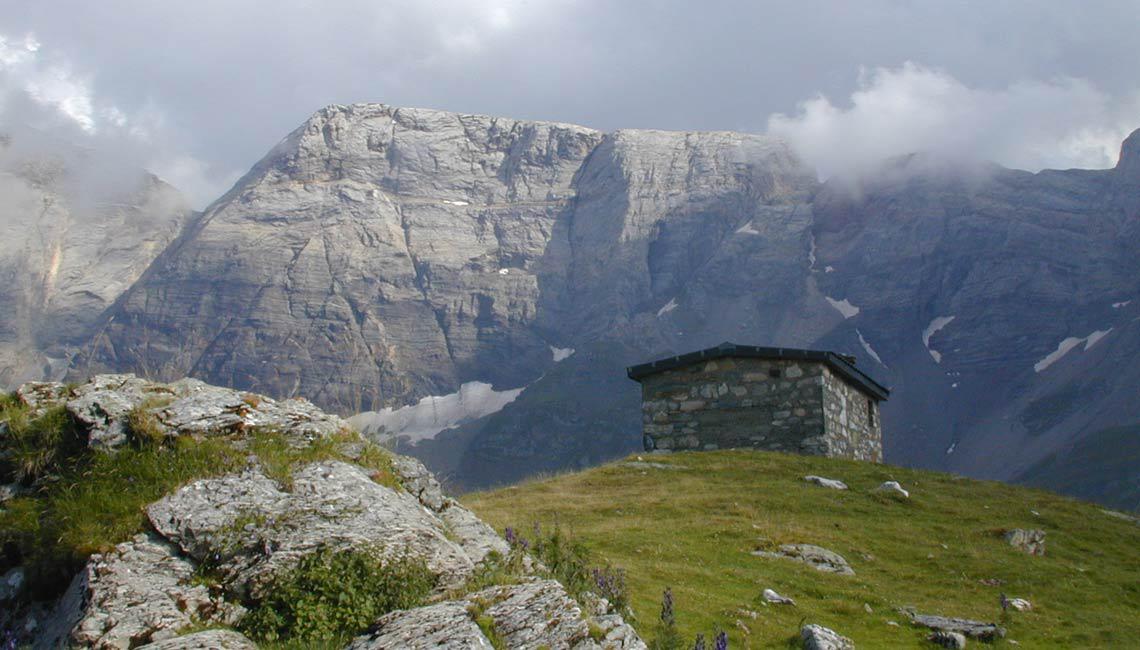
(691, 522)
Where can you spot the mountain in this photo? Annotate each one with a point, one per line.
(495, 276)
(66, 256)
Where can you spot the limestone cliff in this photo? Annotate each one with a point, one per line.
(380, 256)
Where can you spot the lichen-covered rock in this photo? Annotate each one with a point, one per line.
(142, 591)
(250, 528)
(39, 395)
(447, 626)
(532, 614)
(1032, 541)
(102, 405)
(973, 629)
(815, 556)
(817, 637)
(207, 640)
(417, 480)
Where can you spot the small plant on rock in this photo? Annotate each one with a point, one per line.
(335, 594)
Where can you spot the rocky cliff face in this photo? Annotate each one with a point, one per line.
(381, 256)
(64, 260)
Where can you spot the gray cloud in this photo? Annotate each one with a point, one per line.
(216, 84)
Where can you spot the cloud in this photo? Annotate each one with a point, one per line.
(51, 113)
(1033, 125)
(221, 81)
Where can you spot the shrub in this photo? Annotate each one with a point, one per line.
(335, 593)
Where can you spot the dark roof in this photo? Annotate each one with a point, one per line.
(837, 362)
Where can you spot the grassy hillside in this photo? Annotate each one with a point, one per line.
(693, 525)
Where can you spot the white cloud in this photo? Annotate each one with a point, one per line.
(1060, 123)
(58, 112)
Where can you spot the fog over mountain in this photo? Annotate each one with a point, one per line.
(201, 90)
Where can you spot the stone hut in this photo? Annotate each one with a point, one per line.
(802, 401)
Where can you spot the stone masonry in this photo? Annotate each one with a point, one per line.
(798, 405)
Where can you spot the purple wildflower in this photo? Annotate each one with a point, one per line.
(721, 642)
(699, 644)
(510, 535)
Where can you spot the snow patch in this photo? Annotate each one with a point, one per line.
(747, 229)
(1062, 349)
(433, 414)
(504, 271)
(1067, 345)
(843, 307)
(829, 269)
(669, 306)
(561, 353)
(1095, 337)
(459, 203)
(932, 329)
(950, 449)
(869, 349)
(811, 253)
(1121, 305)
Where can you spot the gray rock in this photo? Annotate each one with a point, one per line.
(1031, 541)
(40, 395)
(892, 488)
(817, 637)
(252, 529)
(815, 556)
(102, 405)
(419, 481)
(771, 596)
(207, 640)
(527, 615)
(447, 626)
(474, 536)
(954, 640)
(142, 592)
(9, 491)
(826, 482)
(12, 584)
(972, 629)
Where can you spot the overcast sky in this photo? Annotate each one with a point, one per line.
(199, 91)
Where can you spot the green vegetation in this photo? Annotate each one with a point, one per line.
(692, 528)
(333, 595)
(79, 501)
(571, 563)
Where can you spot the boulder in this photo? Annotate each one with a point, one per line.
(972, 629)
(1032, 541)
(771, 596)
(892, 488)
(815, 556)
(817, 637)
(826, 482)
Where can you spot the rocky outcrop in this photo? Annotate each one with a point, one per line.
(967, 627)
(1031, 541)
(244, 530)
(66, 255)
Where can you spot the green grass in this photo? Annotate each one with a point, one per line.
(692, 530)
